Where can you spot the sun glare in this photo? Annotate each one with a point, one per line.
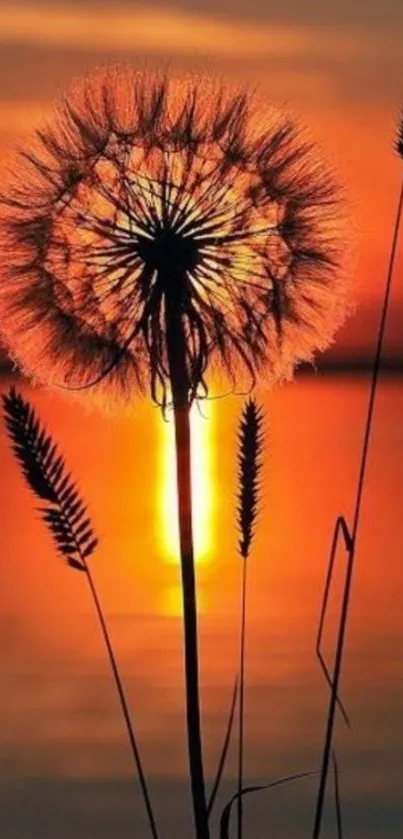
(171, 601)
(202, 486)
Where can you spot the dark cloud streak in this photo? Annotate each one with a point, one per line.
(44, 71)
(365, 14)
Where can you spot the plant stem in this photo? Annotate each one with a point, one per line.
(224, 751)
(123, 703)
(180, 396)
(241, 699)
(356, 520)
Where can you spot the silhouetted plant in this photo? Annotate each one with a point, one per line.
(224, 750)
(146, 200)
(350, 535)
(226, 813)
(337, 797)
(250, 446)
(153, 230)
(65, 515)
(399, 137)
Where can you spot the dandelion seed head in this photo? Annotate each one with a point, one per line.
(150, 207)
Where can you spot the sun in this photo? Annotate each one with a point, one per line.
(202, 486)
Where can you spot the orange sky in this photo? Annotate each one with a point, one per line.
(338, 68)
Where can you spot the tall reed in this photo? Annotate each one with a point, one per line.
(250, 447)
(351, 535)
(65, 515)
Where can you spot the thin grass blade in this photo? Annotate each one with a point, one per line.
(224, 750)
(337, 797)
(226, 813)
(335, 679)
(340, 528)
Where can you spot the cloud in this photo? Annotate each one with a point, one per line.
(363, 13)
(162, 31)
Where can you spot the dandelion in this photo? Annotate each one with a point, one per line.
(157, 230)
(147, 208)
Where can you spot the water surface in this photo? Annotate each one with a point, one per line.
(65, 767)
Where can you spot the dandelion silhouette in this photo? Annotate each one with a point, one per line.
(154, 231)
(148, 207)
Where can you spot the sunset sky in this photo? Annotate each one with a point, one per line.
(338, 67)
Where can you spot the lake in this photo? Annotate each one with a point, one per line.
(65, 765)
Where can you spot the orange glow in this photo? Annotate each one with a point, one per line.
(62, 737)
(184, 33)
(308, 479)
(202, 487)
(171, 601)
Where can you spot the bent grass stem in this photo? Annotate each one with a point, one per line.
(333, 702)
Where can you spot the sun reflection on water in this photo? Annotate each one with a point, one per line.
(171, 601)
(202, 486)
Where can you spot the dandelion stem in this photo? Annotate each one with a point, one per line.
(180, 396)
(123, 703)
(241, 699)
(356, 520)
